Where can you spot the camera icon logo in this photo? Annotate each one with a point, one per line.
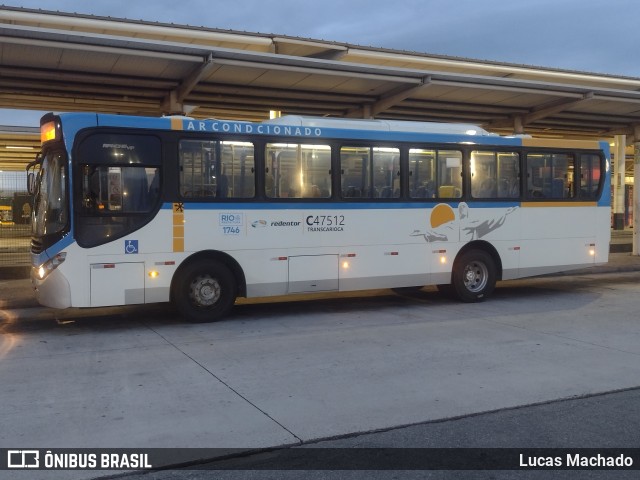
(23, 459)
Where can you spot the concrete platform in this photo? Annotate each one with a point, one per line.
(293, 373)
(621, 241)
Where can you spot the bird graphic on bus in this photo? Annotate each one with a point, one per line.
(445, 227)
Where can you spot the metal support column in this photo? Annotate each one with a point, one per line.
(618, 182)
(636, 196)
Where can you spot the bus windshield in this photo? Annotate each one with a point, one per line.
(51, 211)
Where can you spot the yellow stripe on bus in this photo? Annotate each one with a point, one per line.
(176, 123)
(178, 227)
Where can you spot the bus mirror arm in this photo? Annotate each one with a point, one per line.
(31, 177)
(36, 161)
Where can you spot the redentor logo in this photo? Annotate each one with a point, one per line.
(23, 459)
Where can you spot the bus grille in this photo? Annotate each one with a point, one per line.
(36, 246)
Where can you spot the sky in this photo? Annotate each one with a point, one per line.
(598, 36)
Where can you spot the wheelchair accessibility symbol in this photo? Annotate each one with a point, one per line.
(130, 246)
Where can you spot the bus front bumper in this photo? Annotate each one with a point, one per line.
(52, 291)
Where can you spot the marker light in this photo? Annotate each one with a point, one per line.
(50, 265)
(48, 132)
(154, 273)
(443, 259)
(345, 265)
(592, 252)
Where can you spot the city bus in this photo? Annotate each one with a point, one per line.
(132, 210)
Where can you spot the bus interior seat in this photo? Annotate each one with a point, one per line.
(386, 192)
(553, 188)
(558, 188)
(448, 191)
(351, 192)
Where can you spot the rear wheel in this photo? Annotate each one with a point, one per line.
(204, 291)
(474, 276)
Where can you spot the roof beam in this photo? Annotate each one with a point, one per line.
(519, 122)
(174, 101)
(634, 134)
(552, 108)
(390, 100)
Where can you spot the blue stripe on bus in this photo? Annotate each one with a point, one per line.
(241, 129)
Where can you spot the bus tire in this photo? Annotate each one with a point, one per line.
(205, 291)
(474, 276)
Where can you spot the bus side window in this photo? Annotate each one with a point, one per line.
(354, 171)
(297, 171)
(236, 173)
(386, 172)
(550, 175)
(508, 175)
(589, 176)
(370, 172)
(422, 183)
(495, 175)
(449, 174)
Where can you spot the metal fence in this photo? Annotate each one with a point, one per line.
(15, 213)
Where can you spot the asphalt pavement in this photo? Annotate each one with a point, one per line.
(599, 422)
(547, 341)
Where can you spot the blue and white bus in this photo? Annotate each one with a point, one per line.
(132, 210)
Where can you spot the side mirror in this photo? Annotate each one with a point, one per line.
(31, 183)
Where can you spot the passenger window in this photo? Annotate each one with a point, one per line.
(297, 171)
(212, 169)
(449, 174)
(422, 173)
(495, 175)
(589, 176)
(238, 169)
(386, 172)
(550, 175)
(355, 172)
(370, 172)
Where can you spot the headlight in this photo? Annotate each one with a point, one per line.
(50, 265)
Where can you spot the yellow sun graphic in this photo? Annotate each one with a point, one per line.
(442, 214)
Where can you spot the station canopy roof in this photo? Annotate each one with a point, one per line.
(56, 61)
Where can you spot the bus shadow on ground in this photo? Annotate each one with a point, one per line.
(545, 295)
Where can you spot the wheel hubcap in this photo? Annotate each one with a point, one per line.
(205, 291)
(475, 276)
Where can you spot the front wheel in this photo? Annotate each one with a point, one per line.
(474, 276)
(204, 291)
